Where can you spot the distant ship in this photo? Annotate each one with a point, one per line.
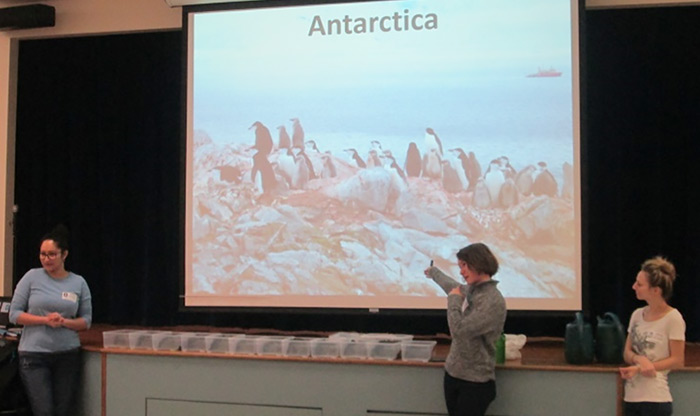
(545, 73)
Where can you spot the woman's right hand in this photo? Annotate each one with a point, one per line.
(629, 372)
(54, 320)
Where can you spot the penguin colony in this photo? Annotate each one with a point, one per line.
(294, 161)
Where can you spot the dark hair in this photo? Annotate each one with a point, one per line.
(59, 235)
(480, 258)
(661, 273)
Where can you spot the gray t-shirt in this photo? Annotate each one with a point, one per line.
(39, 294)
(476, 321)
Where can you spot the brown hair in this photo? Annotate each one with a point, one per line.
(661, 273)
(480, 258)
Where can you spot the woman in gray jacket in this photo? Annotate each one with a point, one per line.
(476, 313)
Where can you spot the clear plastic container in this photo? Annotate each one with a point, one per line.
(417, 350)
(141, 340)
(221, 343)
(245, 345)
(272, 345)
(299, 347)
(383, 350)
(193, 341)
(166, 341)
(327, 347)
(118, 338)
(354, 349)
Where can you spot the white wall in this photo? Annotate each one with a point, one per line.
(73, 17)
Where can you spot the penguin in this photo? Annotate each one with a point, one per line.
(286, 165)
(391, 165)
(474, 170)
(297, 134)
(481, 198)
(544, 183)
(231, 174)
(413, 161)
(506, 167)
(310, 166)
(267, 182)
(313, 155)
(284, 140)
(432, 141)
(450, 178)
(310, 145)
(524, 180)
(457, 159)
(263, 139)
(464, 161)
(508, 197)
(373, 160)
(567, 188)
(432, 164)
(328, 170)
(300, 176)
(494, 179)
(355, 158)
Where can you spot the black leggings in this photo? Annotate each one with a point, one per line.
(648, 409)
(466, 398)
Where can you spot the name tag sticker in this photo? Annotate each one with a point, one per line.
(69, 296)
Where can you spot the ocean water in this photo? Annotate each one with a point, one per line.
(526, 119)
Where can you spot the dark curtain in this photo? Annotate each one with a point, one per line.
(642, 147)
(99, 148)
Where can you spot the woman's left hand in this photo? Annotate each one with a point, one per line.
(629, 372)
(646, 367)
(456, 291)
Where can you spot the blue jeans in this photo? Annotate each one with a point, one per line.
(50, 380)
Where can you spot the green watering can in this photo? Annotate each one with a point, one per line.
(610, 339)
(578, 341)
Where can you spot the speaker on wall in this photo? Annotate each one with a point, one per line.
(27, 17)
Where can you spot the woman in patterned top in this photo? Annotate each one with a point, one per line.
(655, 342)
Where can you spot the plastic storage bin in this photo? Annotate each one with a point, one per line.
(354, 349)
(141, 340)
(417, 350)
(299, 347)
(118, 338)
(327, 347)
(245, 345)
(272, 345)
(193, 341)
(221, 343)
(383, 350)
(166, 341)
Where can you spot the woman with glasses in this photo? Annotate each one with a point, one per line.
(52, 304)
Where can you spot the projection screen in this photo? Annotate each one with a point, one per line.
(334, 150)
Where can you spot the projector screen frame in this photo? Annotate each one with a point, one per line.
(353, 311)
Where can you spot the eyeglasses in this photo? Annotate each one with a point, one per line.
(50, 255)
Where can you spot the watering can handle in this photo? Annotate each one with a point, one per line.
(611, 316)
(579, 323)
